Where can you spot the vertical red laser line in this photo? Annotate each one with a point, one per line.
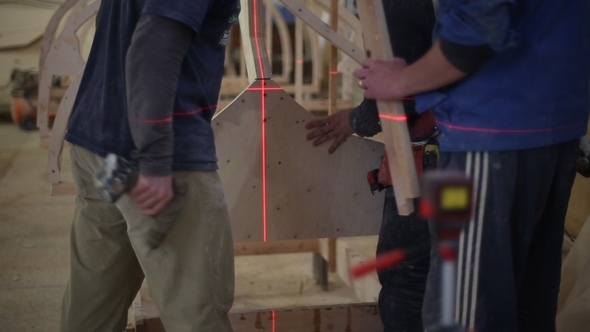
(263, 111)
(273, 318)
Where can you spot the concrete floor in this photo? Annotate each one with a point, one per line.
(34, 228)
(34, 249)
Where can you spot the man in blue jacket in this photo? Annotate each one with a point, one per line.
(148, 93)
(509, 83)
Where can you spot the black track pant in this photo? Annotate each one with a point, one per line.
(403, 286)
(509, 257)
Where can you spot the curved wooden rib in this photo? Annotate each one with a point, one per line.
(285, 38)
(350, 26)
(64, 58)
(324, 30)
(49, 35)
(252, 28)
(59, 131)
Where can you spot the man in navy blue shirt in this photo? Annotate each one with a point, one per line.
(148, 93)
(509, 83)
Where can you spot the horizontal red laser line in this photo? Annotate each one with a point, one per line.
(334, 73)
(168, 119)
(393, 117)
(194, 111)
(508, 131)
(164, 120)
(264, 89)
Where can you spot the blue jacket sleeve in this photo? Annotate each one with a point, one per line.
(476, 23)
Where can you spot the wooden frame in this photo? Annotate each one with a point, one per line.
(392, 115)
(345, 317)
(278, 186)
(273, 187)
(63, 58)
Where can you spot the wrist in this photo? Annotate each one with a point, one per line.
(400, 88)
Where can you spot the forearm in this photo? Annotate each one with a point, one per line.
(153, 65)
(364, 119)
(431, 72)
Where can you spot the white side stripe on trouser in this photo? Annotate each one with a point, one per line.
(470, 243)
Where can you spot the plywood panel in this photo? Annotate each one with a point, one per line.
(309, 193)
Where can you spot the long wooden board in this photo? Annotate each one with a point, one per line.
(392, 115)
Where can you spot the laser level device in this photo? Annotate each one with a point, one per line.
(446, 200)
(447, 203)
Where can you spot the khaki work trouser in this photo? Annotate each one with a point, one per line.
(190, 276)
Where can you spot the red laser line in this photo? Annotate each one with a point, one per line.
(393, 117)
(194, 111)
(164, 120)
(273, 318)
(508, 131)
(263, 109)
(334, 73)
(263, 89)
(168, 119)
(256, 33)
(263, 115)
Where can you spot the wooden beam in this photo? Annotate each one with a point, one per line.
(345, 317)
(275, 247)
(252, 28)
(333, 62)
(393, 118)
(63, 58)
(59, 130)
(346, 46)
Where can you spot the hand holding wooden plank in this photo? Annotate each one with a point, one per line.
(392, 115)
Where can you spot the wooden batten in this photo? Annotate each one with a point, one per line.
(346, 317)
(395, 130)
(276, 247)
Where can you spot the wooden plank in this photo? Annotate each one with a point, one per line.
(333, 62)
(275, 247)
(346, 317)
(63, 189)
(356, 317)
(253, 44)
(298, 84)
(49, 35)
(59, 131)
(346, 46)
(393, 119)
(63, 58)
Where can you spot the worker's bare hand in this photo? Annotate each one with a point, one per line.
(334, 126)
(152, 193)
(380, 79)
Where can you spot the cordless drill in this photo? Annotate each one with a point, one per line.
(118, 175)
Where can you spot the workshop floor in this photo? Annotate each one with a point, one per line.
(34, 249)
